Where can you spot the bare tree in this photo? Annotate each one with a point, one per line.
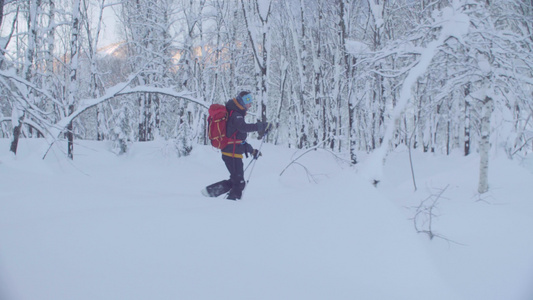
(257, 14)
(18, 112)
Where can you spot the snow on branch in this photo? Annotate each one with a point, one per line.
(11, 74)
(453, 23)
(120, 90)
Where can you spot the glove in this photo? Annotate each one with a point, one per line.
(256, 153)
(248, 149)
(263, 127)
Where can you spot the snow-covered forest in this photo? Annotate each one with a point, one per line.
(343, 75)
(420, 112)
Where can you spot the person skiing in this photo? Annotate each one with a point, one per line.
(232, 154)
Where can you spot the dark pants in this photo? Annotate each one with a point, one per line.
(236, 182)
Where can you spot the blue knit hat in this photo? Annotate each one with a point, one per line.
(245, 98)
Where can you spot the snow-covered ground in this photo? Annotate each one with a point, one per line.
(137, 227)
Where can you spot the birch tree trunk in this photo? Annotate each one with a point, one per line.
(73, 83)
(298, 39)
(3, 45)
(261, 49)
(18, 114)
(95, 87)
(484, 145)
(467, 117)
(1, 12)
(377, 104)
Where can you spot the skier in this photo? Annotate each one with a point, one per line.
(232, 154)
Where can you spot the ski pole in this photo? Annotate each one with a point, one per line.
(254, 160)
(248, 165)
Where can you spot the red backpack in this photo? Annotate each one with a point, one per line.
(216, 128)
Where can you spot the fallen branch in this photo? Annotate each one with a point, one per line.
(425, 214)
(309, 175)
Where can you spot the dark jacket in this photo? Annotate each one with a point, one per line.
(237, 128)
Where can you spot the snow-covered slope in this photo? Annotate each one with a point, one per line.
(136, 227)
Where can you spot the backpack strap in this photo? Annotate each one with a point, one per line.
(233, 139)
